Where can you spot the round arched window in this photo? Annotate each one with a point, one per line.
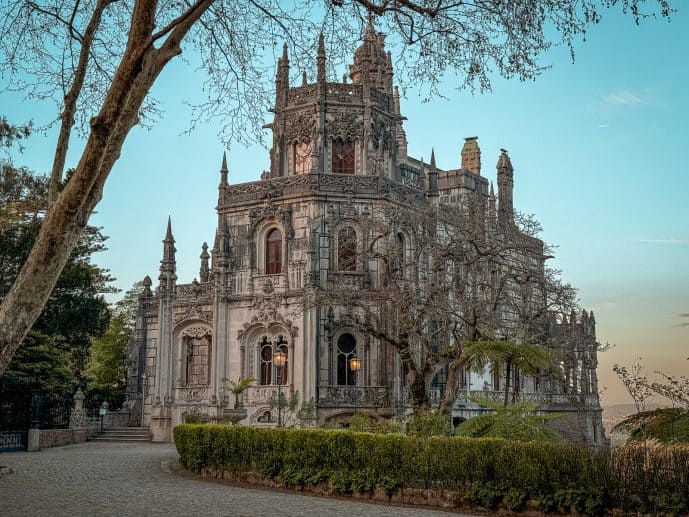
(273, 252)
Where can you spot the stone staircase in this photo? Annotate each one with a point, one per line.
(123, 434)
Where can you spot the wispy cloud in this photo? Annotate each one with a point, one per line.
(603, 126)
(623, 98)
(683, 242)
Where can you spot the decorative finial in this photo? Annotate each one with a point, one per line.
(433, 158)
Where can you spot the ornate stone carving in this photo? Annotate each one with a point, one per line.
(346, 126)
(194, 312)
(196, 332)
(193, 394)
(300, 127)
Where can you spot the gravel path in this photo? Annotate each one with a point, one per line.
(122, 479)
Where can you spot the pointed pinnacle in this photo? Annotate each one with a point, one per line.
(492, 191)
(321, 44)
(223, 167)
(432, 158)
(284, 51)
(168, 234)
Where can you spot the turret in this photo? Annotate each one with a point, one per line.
(320, 60)
(492, 207)
(471, 155)
(372, 64)
(282, 79)
(168, 266)
(400, 135)
(505, 186)
(204, 271)
(433, 177)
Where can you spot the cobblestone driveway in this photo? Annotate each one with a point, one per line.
(122, 479)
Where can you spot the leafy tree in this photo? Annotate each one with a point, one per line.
(106, 369)
(75, 310)
(99, 59)
(518, 422)
(664, 425)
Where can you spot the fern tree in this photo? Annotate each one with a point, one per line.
(508, 356)
(517, 422)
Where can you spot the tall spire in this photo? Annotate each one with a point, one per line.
(204, 272)
(505, 187)
(421, 179)
(320, 60)
(433, 176)
(168, 265)
(223, 170)
(400, 135)
(282, 79)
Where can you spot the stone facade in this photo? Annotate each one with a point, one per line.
(339, 153)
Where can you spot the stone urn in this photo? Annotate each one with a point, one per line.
(235, 415)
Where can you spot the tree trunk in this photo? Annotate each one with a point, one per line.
(417, 390)
(450, 392)
(508, 375)
(140, 66)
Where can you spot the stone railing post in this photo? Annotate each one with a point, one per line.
(77, 417)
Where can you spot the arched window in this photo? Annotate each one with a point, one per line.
(197, 351)
(302, 157)
(270, 373)
(343, 157)
(398, 261)
(346, 350)
(346, 249)
(266, 372)
(273, 252)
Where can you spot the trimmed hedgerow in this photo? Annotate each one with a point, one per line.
(489, 472)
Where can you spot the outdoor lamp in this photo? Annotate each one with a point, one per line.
(355, 364)
(279, 358)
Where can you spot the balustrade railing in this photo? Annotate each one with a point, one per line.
(351, 396)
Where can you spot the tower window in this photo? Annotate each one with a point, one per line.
(346, 249)
(346, 350)
(343, 157)
(302, 158)
(273, 252)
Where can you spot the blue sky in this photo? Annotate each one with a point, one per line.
(599, 148)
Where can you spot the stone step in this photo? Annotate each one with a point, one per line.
(115, 439)
(123, 434)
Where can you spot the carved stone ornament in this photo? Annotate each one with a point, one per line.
(196, 332)
(194, 312)
(300, 127)
(265, 318)
(380, 133)
(268, 286)
(193, 394)
(346, 126)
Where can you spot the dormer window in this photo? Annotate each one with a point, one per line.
(273, 252)
(343, 157)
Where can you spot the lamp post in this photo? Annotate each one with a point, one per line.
(279, 359)
(143, 396)
(355, 366)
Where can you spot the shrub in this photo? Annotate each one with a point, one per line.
(427, 423)
(488, 471)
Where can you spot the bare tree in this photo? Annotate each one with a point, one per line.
(98, 59)
(432, 279)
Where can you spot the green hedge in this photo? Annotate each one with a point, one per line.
(489, 471)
